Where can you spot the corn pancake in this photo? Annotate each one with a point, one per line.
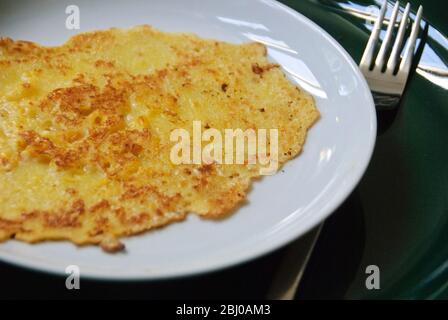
(85, 131)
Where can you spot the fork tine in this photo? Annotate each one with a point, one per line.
(409, 52)
(367, 56)
(393, 60)
(380, 59)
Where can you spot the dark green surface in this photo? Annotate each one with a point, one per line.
(401, 209)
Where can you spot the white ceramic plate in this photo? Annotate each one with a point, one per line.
(281, 207)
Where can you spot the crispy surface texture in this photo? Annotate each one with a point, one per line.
(85, 131)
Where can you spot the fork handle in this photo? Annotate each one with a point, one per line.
(385, 101)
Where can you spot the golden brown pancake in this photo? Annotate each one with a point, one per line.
(85, 131)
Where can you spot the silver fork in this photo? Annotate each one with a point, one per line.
(388, 86)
